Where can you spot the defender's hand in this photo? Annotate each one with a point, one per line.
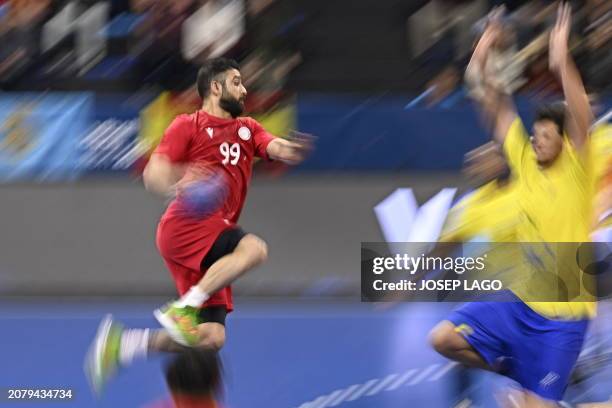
(558, 47)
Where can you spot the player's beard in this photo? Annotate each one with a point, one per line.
(230, 104)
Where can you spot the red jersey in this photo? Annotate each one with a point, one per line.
(225, 146)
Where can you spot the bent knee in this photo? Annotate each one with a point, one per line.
(212, 336)
(443, 338)
(256, 247)
(217, 342)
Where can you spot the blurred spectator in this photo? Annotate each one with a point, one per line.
(213, 30)
(438, 18)
(443, 85)
(273, 52)
(598, 34)
(20, 29)
(160, 35)
(131, 43)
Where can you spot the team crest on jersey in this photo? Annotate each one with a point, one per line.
(209, 130)
(244, 133)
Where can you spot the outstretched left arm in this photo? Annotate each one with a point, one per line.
(579, 115)
(291, 151)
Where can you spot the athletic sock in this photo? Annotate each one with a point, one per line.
(194, 298)
(134, 344)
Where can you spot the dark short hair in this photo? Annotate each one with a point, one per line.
(194, 372)
(554, 112)
(210, 71)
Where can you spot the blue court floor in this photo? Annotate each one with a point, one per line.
(279, 354)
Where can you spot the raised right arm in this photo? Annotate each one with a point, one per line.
(496, 105)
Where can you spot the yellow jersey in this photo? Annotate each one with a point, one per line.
(601, 143)
(601, 146)
(555, 206)
(490, 213)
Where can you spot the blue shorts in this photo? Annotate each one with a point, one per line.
(539, 353)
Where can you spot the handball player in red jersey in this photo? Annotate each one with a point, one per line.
(204, 163)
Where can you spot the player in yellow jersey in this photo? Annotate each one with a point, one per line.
(601, 140)
(486, 215)
(489, 213)
(538, 342)
(602, 171)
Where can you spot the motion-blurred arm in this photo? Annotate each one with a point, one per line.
(160, 176)
(579, 115)
(291, 151)
(497, 106)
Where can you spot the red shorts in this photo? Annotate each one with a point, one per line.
(183, 243)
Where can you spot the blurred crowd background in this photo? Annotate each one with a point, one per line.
(133, 62)
(394, 45)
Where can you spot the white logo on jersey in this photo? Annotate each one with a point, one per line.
(209, 130)
(244, 133)
(549, 379)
